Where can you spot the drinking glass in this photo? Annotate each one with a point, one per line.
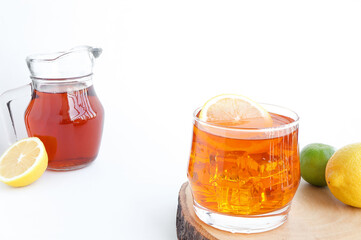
(243, 179)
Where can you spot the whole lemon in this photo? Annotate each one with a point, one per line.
(313, 161)
(343, 174)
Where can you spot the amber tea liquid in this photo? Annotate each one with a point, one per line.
(251, 176)
(69, 124)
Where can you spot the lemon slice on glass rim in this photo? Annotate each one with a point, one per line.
(23, 162)
(233, 110)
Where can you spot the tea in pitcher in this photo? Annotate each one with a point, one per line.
(69, 124)
(62, 110)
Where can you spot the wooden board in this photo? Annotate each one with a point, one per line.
(315, 214)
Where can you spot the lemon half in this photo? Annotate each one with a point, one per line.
(23, 163)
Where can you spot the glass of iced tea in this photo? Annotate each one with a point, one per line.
(244, 178)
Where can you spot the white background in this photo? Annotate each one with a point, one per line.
(162, 60)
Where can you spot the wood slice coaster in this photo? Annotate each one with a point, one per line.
(315, 214)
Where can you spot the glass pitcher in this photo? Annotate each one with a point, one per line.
(59, 106)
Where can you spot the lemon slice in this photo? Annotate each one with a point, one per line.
(236, 111)
(23, 163)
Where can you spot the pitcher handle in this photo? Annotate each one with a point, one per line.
(12, 119)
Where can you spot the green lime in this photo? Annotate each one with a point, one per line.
(314, 158)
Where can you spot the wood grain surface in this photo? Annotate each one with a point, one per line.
(315, 214)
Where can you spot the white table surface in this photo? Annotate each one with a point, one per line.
(163, 59)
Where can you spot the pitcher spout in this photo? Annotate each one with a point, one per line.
(96, 51)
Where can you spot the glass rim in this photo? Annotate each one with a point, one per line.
(255, 130)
